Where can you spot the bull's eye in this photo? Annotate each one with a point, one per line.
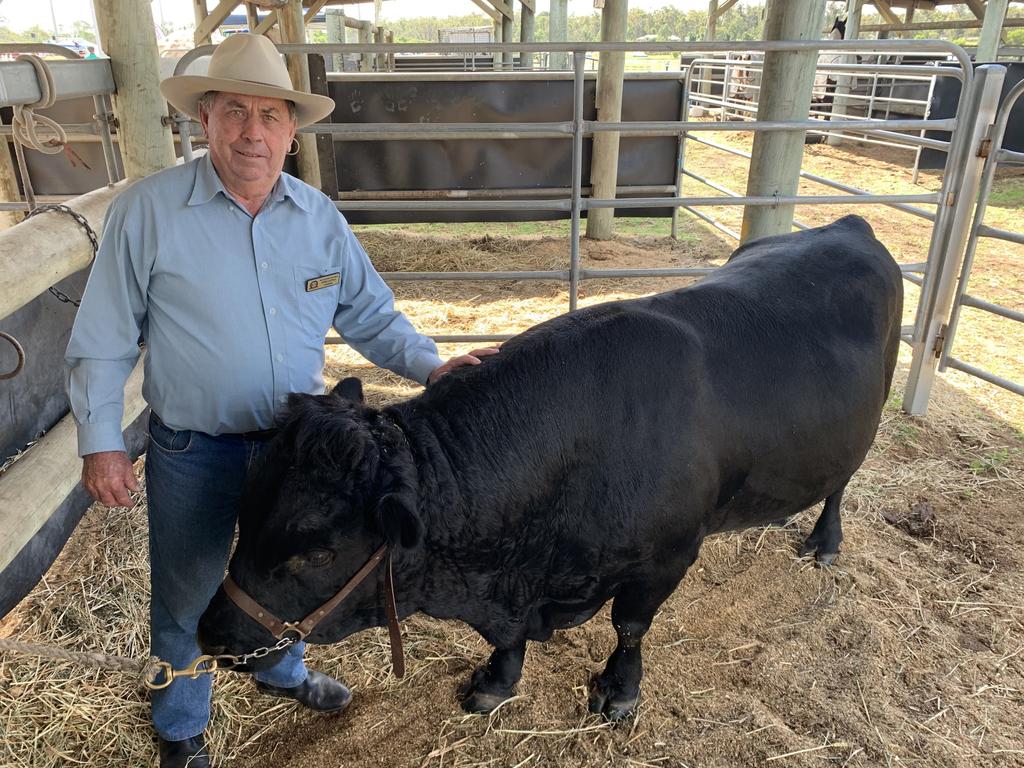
(318, 558)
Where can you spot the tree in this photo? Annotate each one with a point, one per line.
(82, 30)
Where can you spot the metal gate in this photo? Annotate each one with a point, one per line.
(942, 295)
(992, 146)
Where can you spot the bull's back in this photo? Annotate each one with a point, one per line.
(749, 394)
(804, 370)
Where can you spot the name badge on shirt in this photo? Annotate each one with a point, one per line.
(324, 281)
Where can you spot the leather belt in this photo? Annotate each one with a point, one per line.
(302, 628)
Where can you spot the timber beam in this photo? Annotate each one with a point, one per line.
(213, 20)
(977, 8)
(923, 26)
(488, 9)
(725, 6)
(504, 9)
(885, 10)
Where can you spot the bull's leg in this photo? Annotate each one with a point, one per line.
(495, 682)
(824, 540)
(615, 691)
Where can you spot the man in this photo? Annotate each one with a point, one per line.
(232, 272)
(91, 53)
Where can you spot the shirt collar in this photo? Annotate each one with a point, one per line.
(208, 184)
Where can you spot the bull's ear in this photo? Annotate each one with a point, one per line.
(398, 519)
(350, 389)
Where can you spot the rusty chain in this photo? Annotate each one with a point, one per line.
(83, 223)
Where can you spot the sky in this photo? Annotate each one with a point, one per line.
(21, 14)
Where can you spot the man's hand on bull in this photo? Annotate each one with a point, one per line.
(472, 358)
(109, 478)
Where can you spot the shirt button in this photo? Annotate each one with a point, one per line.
(273, 310)
(265, 265)
(280, 357)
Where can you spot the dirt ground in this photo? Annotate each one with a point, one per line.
(909, 652)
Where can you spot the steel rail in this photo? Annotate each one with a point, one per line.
(839, 46)
(981, 373)
(665, 202)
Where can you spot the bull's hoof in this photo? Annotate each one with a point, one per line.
(480, 703)
(820, 552)
(608, 703)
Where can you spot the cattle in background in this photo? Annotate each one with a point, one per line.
(584, 463)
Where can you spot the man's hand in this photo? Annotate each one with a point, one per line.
(108, 476)
(473, 358)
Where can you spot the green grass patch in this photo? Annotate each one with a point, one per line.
(1007, 193)
(991, 461)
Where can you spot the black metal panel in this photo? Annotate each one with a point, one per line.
(34, 400)
(946, 99)
(27, 568)
(471, 164)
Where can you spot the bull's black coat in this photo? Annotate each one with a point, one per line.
(585, 462)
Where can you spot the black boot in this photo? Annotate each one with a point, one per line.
(187, 753)
(317, 691)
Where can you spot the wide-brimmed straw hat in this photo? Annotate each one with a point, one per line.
(247, 64)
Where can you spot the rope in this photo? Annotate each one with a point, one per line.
(24, 125)
(85, 658)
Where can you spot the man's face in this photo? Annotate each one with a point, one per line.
(249, 136)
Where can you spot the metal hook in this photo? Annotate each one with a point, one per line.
(21, 356)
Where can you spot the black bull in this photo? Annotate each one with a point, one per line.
(585, 462)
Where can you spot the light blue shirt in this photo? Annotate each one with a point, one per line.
(233, 308)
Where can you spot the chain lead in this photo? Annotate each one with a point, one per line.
(83, 223)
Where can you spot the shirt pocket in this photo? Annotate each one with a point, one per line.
(317, 291)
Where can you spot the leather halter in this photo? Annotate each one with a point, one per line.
(279, 628)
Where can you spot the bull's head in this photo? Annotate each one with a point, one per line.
(336, 484)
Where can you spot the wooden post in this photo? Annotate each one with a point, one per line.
(499, 37)
(9, 190)
(707, 73)
(201, 12)
(841, 104)
(324, 141)
(128, 37)
(786, 85)
(558, 32)
(293, 31)
(335, 18)
(604, 163)
(991, 27)
(709, 33)
(365, 37)
(252, 17)
(379, 58)
(507, 36)
(526, 34)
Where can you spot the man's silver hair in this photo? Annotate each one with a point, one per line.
(207, 99)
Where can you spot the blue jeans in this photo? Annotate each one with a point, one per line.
(193, 487)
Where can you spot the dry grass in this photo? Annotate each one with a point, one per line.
(909, 652)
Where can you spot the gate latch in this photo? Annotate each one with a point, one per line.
(940, 340)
